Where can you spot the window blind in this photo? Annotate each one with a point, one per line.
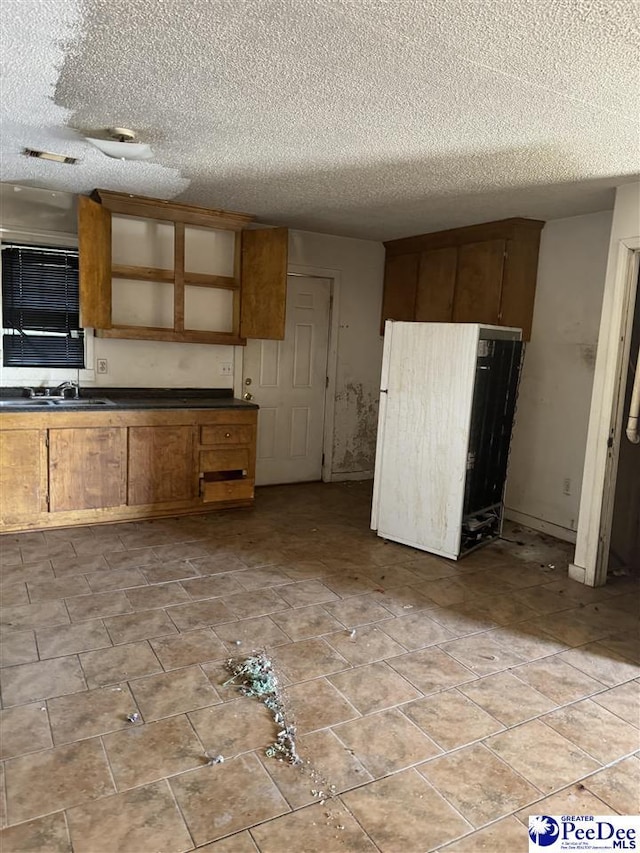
(41, 307)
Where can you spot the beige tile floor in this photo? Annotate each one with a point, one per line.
(472, 694)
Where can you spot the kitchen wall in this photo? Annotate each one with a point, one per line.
(359, 265)
(549, 441)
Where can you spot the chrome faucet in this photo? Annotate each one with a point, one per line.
(67, 386)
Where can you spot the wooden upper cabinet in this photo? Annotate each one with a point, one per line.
(519, 281)
(264, 283)
(158, 270)
(400, 286)
(436, 284)
(478, 283)
(94, 261)
(480, 274)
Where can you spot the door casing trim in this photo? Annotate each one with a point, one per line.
(599, 478)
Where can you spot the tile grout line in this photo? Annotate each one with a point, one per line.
(179, 808)
(349, 812)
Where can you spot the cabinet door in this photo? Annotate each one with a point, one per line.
(162, 467)
(519, 281)
(87, 468)
(264, 283)
(479, 282)
(400, 285)
(436, 283)
(94, 261)
(23, 474)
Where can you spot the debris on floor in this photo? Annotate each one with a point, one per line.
(134, 717)
(254, 676)
(214, 759)
(532, 546)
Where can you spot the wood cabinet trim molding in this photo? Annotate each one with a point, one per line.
(178, 280)
(188, 336)
(172, 211)
(500, 228)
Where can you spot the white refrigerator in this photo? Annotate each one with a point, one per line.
(447, 402)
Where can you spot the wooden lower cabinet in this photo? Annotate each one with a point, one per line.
(161, 466)
(227, 462)
(87, 468)
(72, 468)
(23, 475)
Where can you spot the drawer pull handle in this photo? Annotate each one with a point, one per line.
(227, 435)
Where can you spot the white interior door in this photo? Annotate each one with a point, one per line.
(287, 380)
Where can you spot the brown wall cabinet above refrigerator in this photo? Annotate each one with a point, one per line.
(479, 274)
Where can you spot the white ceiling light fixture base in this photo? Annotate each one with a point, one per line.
(121, 145)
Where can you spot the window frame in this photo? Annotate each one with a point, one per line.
(19, 376)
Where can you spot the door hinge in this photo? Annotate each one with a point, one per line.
(323, 458)
(326, 381)
(46, 499)
(46, 440)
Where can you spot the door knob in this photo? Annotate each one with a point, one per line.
(248, 395)
(247, 381)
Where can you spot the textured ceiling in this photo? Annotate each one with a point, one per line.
(372, 118)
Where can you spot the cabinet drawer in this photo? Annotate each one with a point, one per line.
(230, 434)
(233, 459)
(227, 490)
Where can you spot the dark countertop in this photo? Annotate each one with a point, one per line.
(105, 399)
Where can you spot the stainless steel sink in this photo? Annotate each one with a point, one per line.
(67, 403)
(24, 401)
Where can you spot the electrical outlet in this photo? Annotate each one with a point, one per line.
(566, 486)
(226, 369)
(101, 365)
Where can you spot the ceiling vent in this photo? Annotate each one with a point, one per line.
(49, 155)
